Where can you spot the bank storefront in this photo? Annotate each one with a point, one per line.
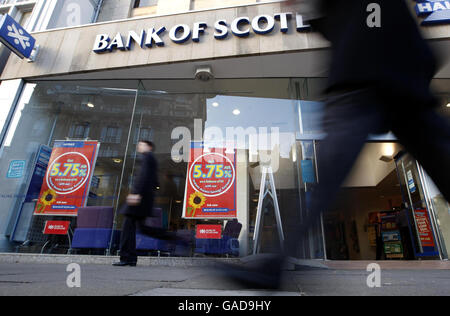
(232, 100)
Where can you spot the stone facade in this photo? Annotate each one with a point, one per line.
(115, 10)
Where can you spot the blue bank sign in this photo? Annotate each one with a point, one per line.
(434, 11)
(15, 37)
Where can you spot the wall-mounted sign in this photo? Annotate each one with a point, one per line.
(56, 227)
(209, 232)
(15, 37)
(66, 184)
(411, 184)
(425, 231)
(210, 184)
(434, 11)
(16, 169)
(181, 33)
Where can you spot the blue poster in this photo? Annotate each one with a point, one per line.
(37, 177)
(308, 174)
(16, 169)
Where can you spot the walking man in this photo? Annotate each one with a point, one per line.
(379, 81)
(139, 204)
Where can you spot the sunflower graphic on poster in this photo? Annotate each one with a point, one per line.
(196, 201)
(210, 191)
(48, 198)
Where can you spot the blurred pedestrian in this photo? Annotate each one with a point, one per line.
(379, 81)
(139, 205)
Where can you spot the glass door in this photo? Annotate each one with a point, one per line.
(421, 219)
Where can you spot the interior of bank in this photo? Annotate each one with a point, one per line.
(388, 209)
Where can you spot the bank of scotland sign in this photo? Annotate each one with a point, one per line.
(14, 36)
(434, 11)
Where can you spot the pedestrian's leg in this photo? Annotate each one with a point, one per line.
(160, 233)
(426, 135)
(128, 240)
(349, 119)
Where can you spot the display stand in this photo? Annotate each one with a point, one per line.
(267, 188)
(390, 232)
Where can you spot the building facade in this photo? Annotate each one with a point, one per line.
(241, 80)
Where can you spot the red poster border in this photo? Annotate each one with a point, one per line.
(87, 185)
(201, 145)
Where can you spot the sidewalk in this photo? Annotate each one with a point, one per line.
(389, 265)
(171, 278)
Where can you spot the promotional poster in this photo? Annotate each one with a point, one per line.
(211, 184)
(66, 184)
(424, 228)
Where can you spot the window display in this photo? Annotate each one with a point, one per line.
(71, 156)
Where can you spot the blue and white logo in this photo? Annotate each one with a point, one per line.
(434, 11)
(15, 37)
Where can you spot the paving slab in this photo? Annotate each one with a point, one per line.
(207, 292)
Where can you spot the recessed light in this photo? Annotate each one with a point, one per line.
(388, 150)
(215, 104)
(90, 105)
(236, 112)
(117, 160)
(448, 105)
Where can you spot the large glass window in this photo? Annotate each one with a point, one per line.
(271, 127)
(145, 3)
(69, 13)
(257, 117)
(50, 112)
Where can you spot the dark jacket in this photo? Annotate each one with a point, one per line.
(394, 57)
(145, 185)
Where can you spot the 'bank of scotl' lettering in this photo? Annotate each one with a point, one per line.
(179, 34)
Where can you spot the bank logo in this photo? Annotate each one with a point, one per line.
(14, 36)
(434, 11)
(18, 36)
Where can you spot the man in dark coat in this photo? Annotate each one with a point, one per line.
(379, 81)
(139, 204)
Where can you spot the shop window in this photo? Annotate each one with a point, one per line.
(249, 106)
(143, 134)
(39, 127)
(47, 113)
(79, 131)
(145, 3)
(111, 135)
(73, 13)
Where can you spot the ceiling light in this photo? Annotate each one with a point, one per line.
(236, 112)
(90, 105)
(117, 160)
(388, 150)
(448, 105)
(215, 104)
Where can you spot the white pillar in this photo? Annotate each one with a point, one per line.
(242, 199)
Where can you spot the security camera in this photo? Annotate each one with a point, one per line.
(204, 73)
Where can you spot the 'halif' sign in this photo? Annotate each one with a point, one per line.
(181, 33)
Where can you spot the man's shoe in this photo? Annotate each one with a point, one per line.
(124, 264)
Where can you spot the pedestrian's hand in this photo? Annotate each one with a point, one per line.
(134, 199)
